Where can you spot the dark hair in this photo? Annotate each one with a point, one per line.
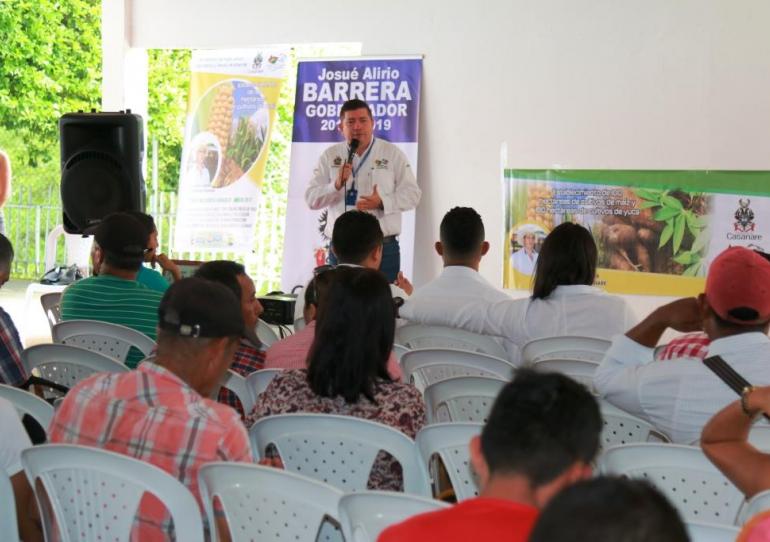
(353, 336)
(461, 232)
(318, 287)
(608, 509)
(568, 256)
(6, 250)
(147, 221)
(540, 425)
(355, 235)
(352, 105)
(224, 272)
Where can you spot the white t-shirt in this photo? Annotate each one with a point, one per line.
(15, 438)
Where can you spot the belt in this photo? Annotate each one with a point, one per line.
(390, 239)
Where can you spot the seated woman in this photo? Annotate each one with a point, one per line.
(563, 302)
(347, 367)
(292, 351)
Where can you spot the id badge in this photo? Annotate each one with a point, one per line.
(350, 197)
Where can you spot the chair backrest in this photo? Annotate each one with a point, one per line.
(365, 515)
(8, 525)
(449, 441)
(50, 303)
(620, 427)
(683, 473)
(266, 334)
(238, 385)
(28, 403)
(576, 369)
(462, 399)
(95, 493)
(430, 365)
(112, 340)
(267, 503)
(399, 350)
(758, 503)
(338, 450)
(423, 336)
(710, 532)
(566, 347)
(67, 365)
(258, 381)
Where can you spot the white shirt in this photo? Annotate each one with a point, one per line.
(456, 286)
(15, 438)
(386, 166)
(569, 310)
(679, 396)
(523, 262)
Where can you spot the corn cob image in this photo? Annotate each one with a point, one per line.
(221, 118)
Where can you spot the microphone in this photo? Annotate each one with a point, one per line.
(353, 147)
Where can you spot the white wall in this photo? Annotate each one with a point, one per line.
(654, 84)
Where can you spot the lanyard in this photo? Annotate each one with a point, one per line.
(362, 161)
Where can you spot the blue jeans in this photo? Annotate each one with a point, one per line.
(391, 258)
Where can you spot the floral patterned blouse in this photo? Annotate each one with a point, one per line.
(397, 404)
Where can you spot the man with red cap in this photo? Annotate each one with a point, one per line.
(679, 398)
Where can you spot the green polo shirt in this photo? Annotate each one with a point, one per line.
(118, 301)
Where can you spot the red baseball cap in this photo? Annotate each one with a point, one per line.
(739, 277)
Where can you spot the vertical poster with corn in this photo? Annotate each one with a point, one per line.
(656, 231)
(230, 115)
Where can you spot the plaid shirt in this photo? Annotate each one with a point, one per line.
(11, 370)
(248, 359)
(152, 415)
(692, 345)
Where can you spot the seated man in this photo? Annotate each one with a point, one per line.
(149, 276)
(12, 371)
(292, 351)
(357, 241)
(461, 248)
(609, 509)
(160, 413)
(113, 295)
(541, 436)
(250, 356)
(679, 398)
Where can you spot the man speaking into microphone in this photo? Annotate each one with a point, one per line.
(368, 174)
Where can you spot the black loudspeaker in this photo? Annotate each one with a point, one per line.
(101, 166)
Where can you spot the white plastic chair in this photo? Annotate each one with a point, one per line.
(267, 503)
(758, 503)
(399, 350)
(566, 347)
(51, 308)
(112, 340)
(430, 365)
(266, 334)
(450, 442)
(620, 427)
(95, 493)
(576, 369)
(462, 399)
(683, 473)
(67, 365)
(8, 525)
(299, 323)
(28, 403)
(365, 515)
(423, 336)
(338, 450)
(239, 386)
(709, 532)
(258, 381)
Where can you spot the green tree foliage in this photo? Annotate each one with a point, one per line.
(50, 64)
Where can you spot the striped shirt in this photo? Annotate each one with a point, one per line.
(152, 415)
(108, 298)
(11, 370)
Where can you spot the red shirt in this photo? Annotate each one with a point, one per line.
(478, 520)
(152, 415)
(248, 359)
